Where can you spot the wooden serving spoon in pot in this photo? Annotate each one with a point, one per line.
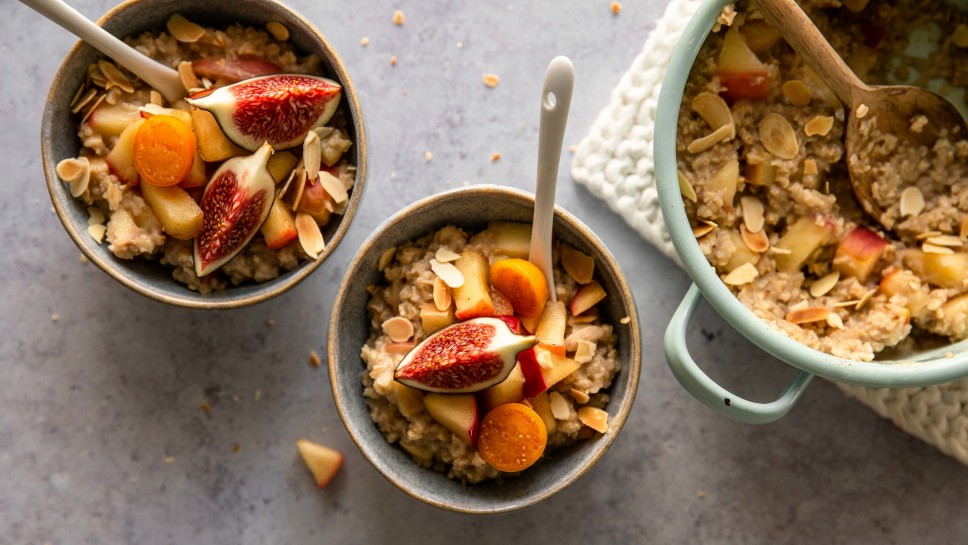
(893, 106)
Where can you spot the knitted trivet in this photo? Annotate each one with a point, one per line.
(615, 162)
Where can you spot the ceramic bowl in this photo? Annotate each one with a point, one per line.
(471, 209)
(59, 141)
(934, 366)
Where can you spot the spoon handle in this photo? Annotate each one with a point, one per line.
(555, 102)
(805, 38)
(159, 76)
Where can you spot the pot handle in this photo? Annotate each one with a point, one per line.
(707, 391)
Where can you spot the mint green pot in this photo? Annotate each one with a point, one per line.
(921, 369)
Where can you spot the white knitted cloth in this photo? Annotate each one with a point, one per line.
(615, 163)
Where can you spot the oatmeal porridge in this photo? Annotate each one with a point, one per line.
(763, 174)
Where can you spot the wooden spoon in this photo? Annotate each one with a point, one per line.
(893, 105)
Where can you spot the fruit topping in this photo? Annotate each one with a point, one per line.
(212, 143)
(858, 253)
(522, 283)
(464, 357)
(120, 159)
(512, 437)
(587, 297)
(579, 265)
(235, 203)
(164, 150)
(323, 462)
(456, 412)
(279, 109)
(538, 377)
(741, 73)
(179, 214)
(224, 70)
(473, 296)
(279, 228)
(509, 390)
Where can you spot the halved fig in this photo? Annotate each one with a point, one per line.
(279, 109)
(464, 357)
(236, 202)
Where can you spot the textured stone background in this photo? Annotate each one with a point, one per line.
(91, 405)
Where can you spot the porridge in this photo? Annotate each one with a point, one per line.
(189, 183)
(435, 287)
(763, 172)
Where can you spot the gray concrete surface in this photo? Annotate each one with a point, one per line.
(92, 404)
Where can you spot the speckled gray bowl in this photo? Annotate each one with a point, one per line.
(59, 141)
(471, 209)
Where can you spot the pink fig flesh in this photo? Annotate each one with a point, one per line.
(236, 202)
(279, 109)
(464, 357)
(226, 70)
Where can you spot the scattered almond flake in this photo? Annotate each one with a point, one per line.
(207, 83)
(447, 272)
(236, 447)
(99, 80)
(460, 45)
(371, 289)
(270, 322)
(314, 359)
(93, 107)
(398, 328)
(963, 232)
(83, 259)
(94, 215)
(365, 41)
(258, 395)
(715, 112)
(594, 418)
(822, 286)
(115, 76)
(446, 255)
(559, 406)
(844, 304)
(778, 136)
(928, 234)
(205, 407)
(960, 36)
(184, 30)
(861, 111)
(704, 228)
(744, 274)
(491, 80)
(333, 186)
(495, 157)
(753, 213)
(572, 148)
(686, 188)
(702, 144)
(77, 96)
(584, 351)
(428, 156)
(865, 298)
(398, 18)
(169, 460)
(819, 125)
(929, 248)
(97, 232)
(442, 296)
(385, 258)
(797, 93)
(312, 156)
(946, 240)
(310, 237)
(799, 306)
(85, 98)
(616, 8)
(757, 242)
(393, 60)
(278, 30)
(701, 494)
(625, 319)
(781, 251)
(579, 396)
(55, 317)
(76, 172)
(810, 167)
(912, 202)
(807, 315)
(834, 321)
(187, 76)
(544, 360)
(949, 355)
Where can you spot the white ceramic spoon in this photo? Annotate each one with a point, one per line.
(555, 101)
(157, 75)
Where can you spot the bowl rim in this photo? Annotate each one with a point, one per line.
(937, 368)
(192, 299)
(633, 367)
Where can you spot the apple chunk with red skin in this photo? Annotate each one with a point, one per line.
(587, 297)
(473, 297)
(323, 462)
(120, 159)
(740, 71)
(538, 378)
(858, 253)
(801, 239)
(510, 390)
(456, 412)
(551, 328)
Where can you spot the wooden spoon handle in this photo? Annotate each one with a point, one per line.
(805, 38)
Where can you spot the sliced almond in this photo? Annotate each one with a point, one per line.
(797, 93)
(187, 76)
(115, 76)
(312, 156)
(912, 202)
(834, 320)
(946, 240)
(585, 351)
(442, 295)
(744, 274)
(310, 237)
(97, 231)
(757, 242)
(819, 125)
(845, 304)
(929, 248)
(799, 306)
(865, 298)
(447, 272)
(84, 100)
(300, 181)
(704, 228)
(278, 30)
(95, 215)
(928, 234)
(714, 110)
(700, 145)
(823, 285)
(594, 418)
(781, 251)
(399, 329)
(76, 172)
(334, 187)
(810, 167)
(446, 255)
(778, 136)
(579, 396)
(385, 258)
(861, 111)
(184, 30)
(753, 213)
(559, 406)
(97, 102)
(689, 192)
(807, 315)
(77, 96)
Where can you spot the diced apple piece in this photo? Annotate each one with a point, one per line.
(120, 159)
(323, 462)
(905, 284)
(473, 298)
(234, 70)
(723, 183)
(179, 214)
(510, 239)
(551, 327)
(578, 265)
(279, 229)
(433, 319)
(112, 119)
(510, 390)
(759, 36)
(197, 176)
(538, 378)
(858, 253)
(741, 255)
(456, 412)
(740, 71)
(530, 323)
(542, 405)
(586, 297)
(762, 173)
(946, 271)
(281, 164)
(212, 142)
(802, 239)
(315, 200)
(409, 400)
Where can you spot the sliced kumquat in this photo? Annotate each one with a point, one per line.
(164, 150)
(512, 437)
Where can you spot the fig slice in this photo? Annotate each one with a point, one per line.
(279, 109)
(236, 202)
(464, 357)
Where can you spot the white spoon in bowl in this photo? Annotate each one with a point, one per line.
(157, 75)
(555, 101)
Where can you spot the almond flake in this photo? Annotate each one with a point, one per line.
(753, 212)
(398, 18)
(187, 76)
(799, 306)
(810, 167)
(819, 125)
(714, 111)
(446, 255)
(689, 192)
(700, 145)
(76, 172)
(314, 359)
(77, 96)
(544, 360)
(310, 237)
(333, 186)
(94, 215)
(822, 286)
(312, 155)
(399, 329)
(579, 396)
(93, 107)
(625, 320)
(797, 93)
(184, 30)
(559, 406)
(278, 30)
(365, 41)
(834, 321)
(929, 248)
(616, 8)
(495, 157)
(807, 315)
(781, 251)
(97, 232)
(491, 80)
(778, 136)
(912, 202)
(946, 240)
(865, 298)
(861, 111)
(594, 418)
(704, 228)
(300, 179)
(757, 242)
(82, 102)
(385, 258)
(744, 274)
(584, 351)
(447, 272)
(115, 76)
(442, 295)
(844, 304)
(428, 156)
(928, 234)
